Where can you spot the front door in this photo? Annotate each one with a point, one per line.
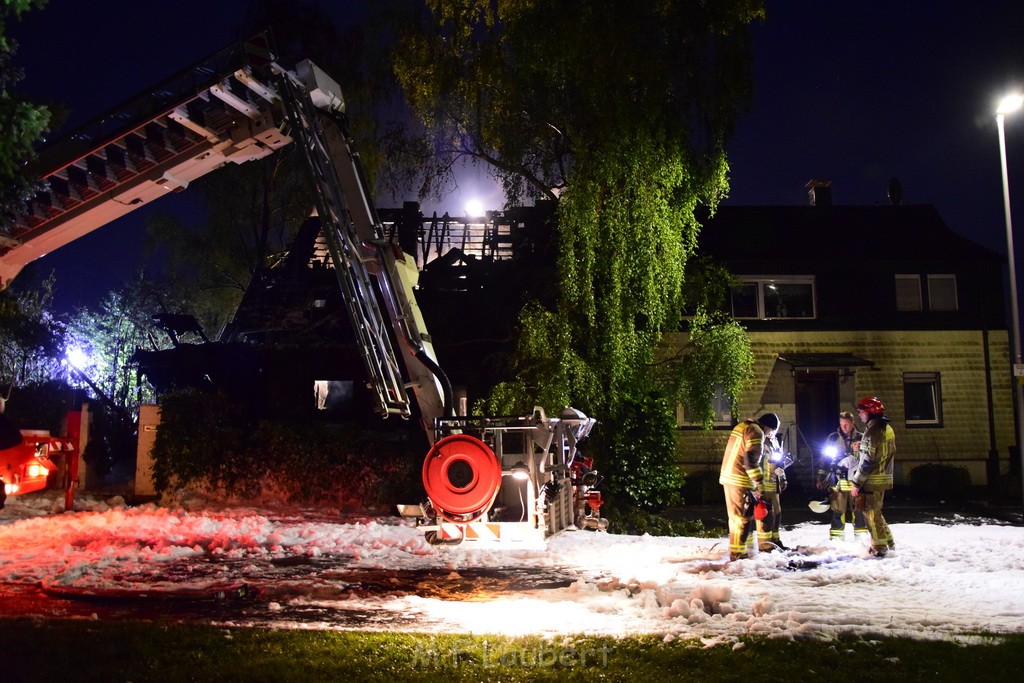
(817, 410)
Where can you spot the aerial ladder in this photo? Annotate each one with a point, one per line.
(506, 480)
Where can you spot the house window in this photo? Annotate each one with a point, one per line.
(774, 298)
(722, 406)
(942, 292)
(332, 395)
(744, 301)
(908, 293)
(922, 399)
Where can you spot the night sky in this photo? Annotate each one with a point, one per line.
(91, 56)
(860, 92)
(853, 92)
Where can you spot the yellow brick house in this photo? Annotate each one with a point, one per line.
(842, 302)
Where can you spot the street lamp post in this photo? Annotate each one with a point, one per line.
(1007, 105)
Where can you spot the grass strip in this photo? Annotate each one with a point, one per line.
(82, 650)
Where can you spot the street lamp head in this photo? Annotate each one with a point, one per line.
(1010, 103)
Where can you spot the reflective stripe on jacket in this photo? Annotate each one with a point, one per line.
(877, 456)
(770, 472)
(741, 463)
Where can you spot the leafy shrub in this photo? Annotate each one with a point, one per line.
(210, 441)
(639, 465)
(43, 405)
(940, 481)
(635, 521)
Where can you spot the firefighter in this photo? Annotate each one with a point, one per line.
(873, 475)
(741, 478)
(833, 476)
(773, 469)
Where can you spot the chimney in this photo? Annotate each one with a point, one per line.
(895, 192)
(819, 192)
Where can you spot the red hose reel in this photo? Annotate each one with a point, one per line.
(461, 475)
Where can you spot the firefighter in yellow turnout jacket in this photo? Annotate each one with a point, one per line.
(773, 469)
(742, 479)
(874, 473)
(833, 475)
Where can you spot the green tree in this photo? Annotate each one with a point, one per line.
(619, 110)
(31, 339)
(33, 376)
(101, 338)
(717, 347)
(109, 332)
(22, 123)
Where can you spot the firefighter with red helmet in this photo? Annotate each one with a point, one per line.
(874, 473)
(742, 479)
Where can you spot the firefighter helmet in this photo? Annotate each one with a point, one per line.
(871, 405)
(769, 421)
(760, 509)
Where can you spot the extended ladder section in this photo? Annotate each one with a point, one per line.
(155, 144)
(234, 107)
(355, 238)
